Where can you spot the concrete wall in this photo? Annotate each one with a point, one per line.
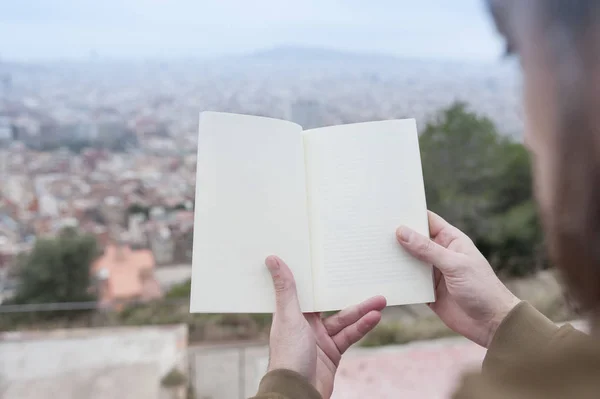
(227, 371)
(96, 363)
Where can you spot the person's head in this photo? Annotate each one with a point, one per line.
(558, 44)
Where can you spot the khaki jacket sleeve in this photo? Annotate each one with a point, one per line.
(285, 384)
(523, 333)
(532, 358)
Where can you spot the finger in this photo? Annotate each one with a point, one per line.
(441, 292)
(443, 232)
(355, 332)
(437, 278)
(436, 223)
(286, 297)
(336, 323)
(423, 248)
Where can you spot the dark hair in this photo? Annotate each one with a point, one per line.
(500, 10)
(572, 224)
(570, 16)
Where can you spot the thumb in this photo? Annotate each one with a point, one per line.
(286, 297)
(426, 250)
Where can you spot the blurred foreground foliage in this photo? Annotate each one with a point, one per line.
(481, 182)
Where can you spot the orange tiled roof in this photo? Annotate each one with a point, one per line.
(130, 274)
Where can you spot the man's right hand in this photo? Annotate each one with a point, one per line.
(470, 299)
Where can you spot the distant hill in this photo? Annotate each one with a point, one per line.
(285, 56)
(295, 53)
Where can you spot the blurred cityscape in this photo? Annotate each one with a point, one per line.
(108, 149)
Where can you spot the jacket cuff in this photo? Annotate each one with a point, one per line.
(287, 384)
(524, 330)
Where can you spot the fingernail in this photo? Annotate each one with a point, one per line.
(272, 263)
(404, 234)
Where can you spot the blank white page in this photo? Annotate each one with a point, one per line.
(250, 203)
(364, 181)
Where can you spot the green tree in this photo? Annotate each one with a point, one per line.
(480, 181)
(57, 270)
(514, 236)
(460, 158)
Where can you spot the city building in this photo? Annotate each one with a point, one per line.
(125, 275)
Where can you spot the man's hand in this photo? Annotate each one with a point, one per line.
(308, 344)
(470, 299)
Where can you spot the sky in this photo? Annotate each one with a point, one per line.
(32, 30)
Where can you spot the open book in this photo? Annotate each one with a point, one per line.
(327, 201)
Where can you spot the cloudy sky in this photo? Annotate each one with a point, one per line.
(58, 29)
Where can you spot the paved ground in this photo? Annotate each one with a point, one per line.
(427, 370)
(424, 370)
